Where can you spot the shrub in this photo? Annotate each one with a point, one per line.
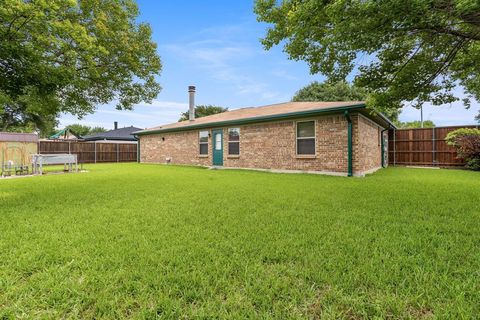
(467, 143)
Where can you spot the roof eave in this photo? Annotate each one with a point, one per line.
(296, 114)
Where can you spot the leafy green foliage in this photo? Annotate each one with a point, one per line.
(399, 244)
(83, 130)
(70, 56)
(467, 143)
(339, 91)
(414, 124)
(409, 50)
(203, 111)
(97, 130)
(13, 118)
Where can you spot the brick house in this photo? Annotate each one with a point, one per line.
(341, 138)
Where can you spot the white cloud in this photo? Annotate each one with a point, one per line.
(221, 54)
(143, 115)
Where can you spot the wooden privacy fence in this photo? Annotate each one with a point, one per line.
(91, 152)
(423, 147)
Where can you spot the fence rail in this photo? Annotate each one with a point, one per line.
(423, 147)
(92, 152)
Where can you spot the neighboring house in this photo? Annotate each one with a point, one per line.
(342, 138)
(115, 135)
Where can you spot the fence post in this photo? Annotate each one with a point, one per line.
(394, 147)
(433, 146)
(117, 153)
(69, 150)
(95, 144)
(410, 146)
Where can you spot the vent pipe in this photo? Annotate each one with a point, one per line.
(191, 103)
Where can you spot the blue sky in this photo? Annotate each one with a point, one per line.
(215, 46)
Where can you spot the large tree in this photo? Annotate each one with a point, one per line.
(70, 56)
(325, 91)
(84, 130)
(203, 111)
(408, 50)
(338, 91)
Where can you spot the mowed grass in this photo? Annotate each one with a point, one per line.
(153, 241)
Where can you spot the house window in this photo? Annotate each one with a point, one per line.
(306, 138)
(203, 142)
(234, 141)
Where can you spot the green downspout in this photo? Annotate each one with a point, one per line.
(138, 148)
(350, 149)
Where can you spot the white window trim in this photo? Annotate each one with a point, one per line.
(314, 138)
(200, 143)
(228, 141)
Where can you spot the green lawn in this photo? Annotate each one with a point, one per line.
(152, 241)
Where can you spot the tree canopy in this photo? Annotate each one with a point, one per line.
(415, 124)
(84, 130)
(338, 91)
(203, 111)
(70, 56)
(409, 50)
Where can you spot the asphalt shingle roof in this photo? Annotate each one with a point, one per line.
(258, 112)
(119, 134)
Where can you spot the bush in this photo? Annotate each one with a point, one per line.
(467, 143)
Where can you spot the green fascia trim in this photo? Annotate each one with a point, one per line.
(350, 140)
(392, 125)
(138, 151)
(256, 119)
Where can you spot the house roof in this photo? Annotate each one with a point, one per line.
(260, 114)
(118, 134)
(18, 137)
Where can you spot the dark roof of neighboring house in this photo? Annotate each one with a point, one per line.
(18, 137)
(269, 113)
(118, 134)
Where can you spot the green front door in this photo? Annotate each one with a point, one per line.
(217, 147)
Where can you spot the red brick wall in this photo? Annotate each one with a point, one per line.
(180, 147)
(367, 145)
(272, 145)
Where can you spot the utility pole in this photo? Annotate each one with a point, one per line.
(421, 116)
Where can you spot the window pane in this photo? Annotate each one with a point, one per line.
(306, 146)
(306, 129)
(218, 141)
(203, 136)
(234, 134)
(203, 148)
(234, 148)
